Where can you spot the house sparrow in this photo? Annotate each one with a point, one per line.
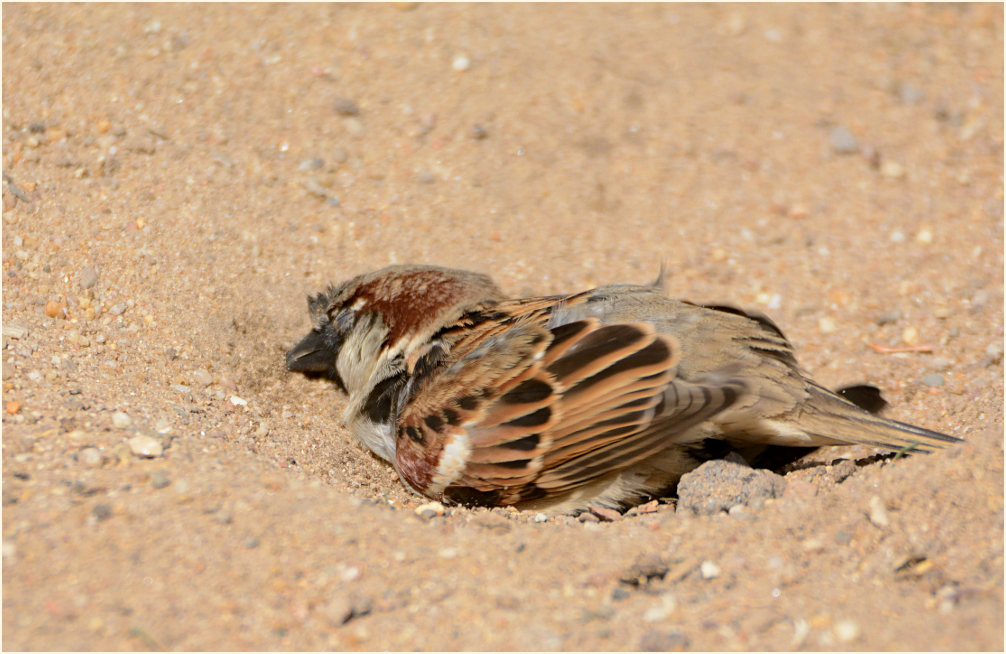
(601, 398)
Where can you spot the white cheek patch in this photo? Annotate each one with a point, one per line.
(453, 460)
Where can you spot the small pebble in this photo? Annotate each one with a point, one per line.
(14, 330)
(121, 420)
(878, 513)
(345, 107)
(102, 511)
(343, 608)
(933, 379)
(663, 641)
(645, 569)
(843, 141)
(897, 236)
(940, 364)
(145, 446)
(478, 132)
(311, 164)
(88, 277)
(354, 126)
(90, 456)
(993, 354)
(461, 63)
(892, 170)
(540, 517)
(237, 401)
(430, 510)
(661, 610)
(979, 299)
(604, 513)
(427, 177)
(798, 212)
(202, 377)
(159, 479)
(709, 570)
(117, 309)
(846, 631)
(826, 325)
(348, 573)
(812, 545)
(910, 94)
(924, 236)
(252, 542)
(910, 335)
(53, 308)
(13, 407)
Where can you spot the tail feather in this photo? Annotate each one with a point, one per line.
(825, 418)
(837, 420)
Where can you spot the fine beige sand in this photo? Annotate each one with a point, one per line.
(177, 179)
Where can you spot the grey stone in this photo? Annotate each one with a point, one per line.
(717, 486)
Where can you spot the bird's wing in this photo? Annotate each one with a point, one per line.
(531, 411)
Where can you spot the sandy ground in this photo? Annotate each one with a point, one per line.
(179, 178)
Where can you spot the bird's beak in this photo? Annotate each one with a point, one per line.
(311, 355)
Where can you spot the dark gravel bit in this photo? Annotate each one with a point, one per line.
(719, 485)
(645, 569)
(159, 479)
(479, 133)
(889, 318)
(345, 107)
(102, 511)
(843, 141)
(15, 189)
(658, 640)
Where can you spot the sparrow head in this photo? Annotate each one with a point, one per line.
(366, 323)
